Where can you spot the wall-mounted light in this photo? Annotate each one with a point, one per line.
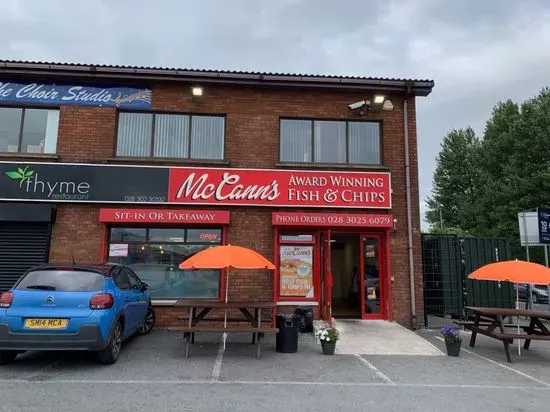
(196, 93)
(379, 99)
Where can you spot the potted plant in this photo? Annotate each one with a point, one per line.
(328, 337)
(453, 340)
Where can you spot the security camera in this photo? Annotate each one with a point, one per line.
(357, 105)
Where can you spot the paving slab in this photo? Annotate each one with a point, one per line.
(375, 337)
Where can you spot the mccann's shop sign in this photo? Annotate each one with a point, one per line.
(280, 188)
(99, 183)
(79, 94)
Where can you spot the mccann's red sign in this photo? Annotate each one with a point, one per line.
(249, 187)
(219, 217)
(332, 220)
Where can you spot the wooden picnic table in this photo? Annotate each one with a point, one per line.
(194, 318)
(490, 322)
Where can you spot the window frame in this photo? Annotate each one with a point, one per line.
(347, 163)
(23, 108)
(151, 149)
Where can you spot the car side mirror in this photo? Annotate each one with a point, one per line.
(144, 287)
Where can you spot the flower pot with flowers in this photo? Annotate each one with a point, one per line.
(453, 340)
(328, 337)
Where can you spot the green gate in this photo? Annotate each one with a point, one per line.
(447, 260)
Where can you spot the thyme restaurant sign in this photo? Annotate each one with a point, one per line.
(252, 187)
(79, 94)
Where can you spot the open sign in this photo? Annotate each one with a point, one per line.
(208, 236)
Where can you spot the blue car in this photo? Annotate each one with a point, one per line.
(74, 307)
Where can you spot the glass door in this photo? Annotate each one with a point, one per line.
(372, 279)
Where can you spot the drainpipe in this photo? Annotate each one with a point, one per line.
(409, 207)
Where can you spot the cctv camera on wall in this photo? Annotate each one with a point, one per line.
(358, 105)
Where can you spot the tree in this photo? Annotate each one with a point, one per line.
(455, 181)
(480, 186)
(515, 165)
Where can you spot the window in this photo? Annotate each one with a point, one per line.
(327, 141)
(154, 254)
(296, 266)
(170, 136)
(62, 281)
(25, 130)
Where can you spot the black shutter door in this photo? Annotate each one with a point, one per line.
(22, 245)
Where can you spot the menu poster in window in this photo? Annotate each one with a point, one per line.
(120, 249)
(296, 271)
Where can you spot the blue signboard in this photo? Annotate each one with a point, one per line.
(79, 94)
(544, 225)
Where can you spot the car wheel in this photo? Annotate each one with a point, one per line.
(149, 322)
(110, 354)
(7, 356)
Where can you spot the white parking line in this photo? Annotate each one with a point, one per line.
(525, 375)
(216, 371)
(264, 383)
(377, 371)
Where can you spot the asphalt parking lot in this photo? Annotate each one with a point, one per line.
(152, 374)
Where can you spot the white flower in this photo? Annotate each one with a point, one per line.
(328, 339)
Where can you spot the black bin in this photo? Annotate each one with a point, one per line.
(287, 336)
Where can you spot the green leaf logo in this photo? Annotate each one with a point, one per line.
(22, 175)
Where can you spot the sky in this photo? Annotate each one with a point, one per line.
(478, 52)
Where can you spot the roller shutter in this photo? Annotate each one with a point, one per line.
(22, 245)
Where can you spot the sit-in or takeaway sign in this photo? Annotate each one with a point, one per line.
(219, 217)
(80, 94)
(125, 184)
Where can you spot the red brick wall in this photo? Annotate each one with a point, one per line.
(88, 134)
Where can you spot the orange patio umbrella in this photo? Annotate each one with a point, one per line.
(515, 271)
(227, 257)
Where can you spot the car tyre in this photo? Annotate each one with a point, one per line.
(149, 322)
(7, 356)
(110, 354)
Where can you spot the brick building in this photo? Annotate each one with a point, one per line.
(147, 166)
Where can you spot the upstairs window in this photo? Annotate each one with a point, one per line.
(328, 141)
(170, 136)
(25, 130)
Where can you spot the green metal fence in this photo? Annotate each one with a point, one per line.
(447, 260)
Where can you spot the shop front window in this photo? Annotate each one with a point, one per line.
(155, 254)
(296, 266)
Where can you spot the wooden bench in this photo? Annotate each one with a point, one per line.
(189, 333)
(468, 323)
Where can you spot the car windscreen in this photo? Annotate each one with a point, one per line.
(62, 281)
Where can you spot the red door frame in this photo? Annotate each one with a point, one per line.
(382, 276)
(323, 270)
(326, 272)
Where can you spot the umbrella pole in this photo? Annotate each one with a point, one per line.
(225, 311)
(517, 317)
